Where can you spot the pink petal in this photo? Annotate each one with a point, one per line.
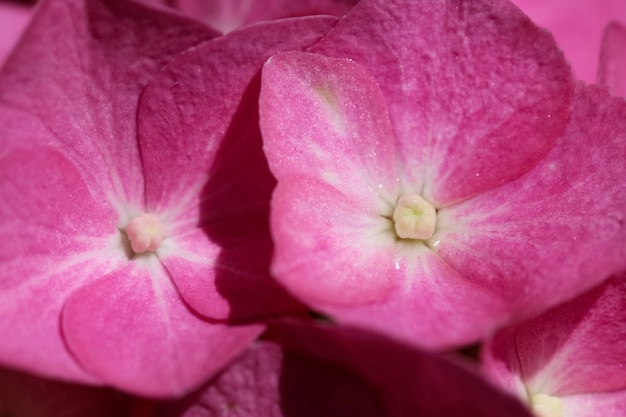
(612, 69)
(463, 82)
(452, 312)
(131, 329)
(559, 229)
(13, 20)
(329, 249)
(585, 351)
(577, 28)
(317, 123)
(222, 182)
(80, 69)
(54, 249)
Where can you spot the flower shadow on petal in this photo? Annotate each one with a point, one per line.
(234, 214)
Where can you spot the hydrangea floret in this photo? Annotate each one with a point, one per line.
(138, 228)
(446, 181)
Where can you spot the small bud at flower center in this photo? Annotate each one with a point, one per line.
(544, 405)
(145, 233)
(414, 217)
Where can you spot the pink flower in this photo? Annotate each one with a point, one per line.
(577, 28)
(570, 361)
(464, 109)
(135, 195)
(313, 370)
(227, 15)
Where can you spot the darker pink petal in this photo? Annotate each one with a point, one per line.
(559, 229)
(132, 329)
(574, 352)
(612, 69)
(477, 94)
(24, 395)
(199, 118)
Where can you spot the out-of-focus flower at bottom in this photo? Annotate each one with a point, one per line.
(303, 370)
(570, 361)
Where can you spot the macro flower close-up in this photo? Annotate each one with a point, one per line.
(311, 208)
(397, 202)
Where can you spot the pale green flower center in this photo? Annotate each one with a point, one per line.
(414, 217)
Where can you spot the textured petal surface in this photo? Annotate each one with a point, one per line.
(203, 109)
(577, 28)
(477, 94)
(556, 231)
(326, 118)
(172, 350)
(612, 69)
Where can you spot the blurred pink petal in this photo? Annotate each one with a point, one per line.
(612, 70)
(13, 20)
(577, 27)
(573, 353)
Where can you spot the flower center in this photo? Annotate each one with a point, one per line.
(145, 233)
(544, 405)
(414, 217)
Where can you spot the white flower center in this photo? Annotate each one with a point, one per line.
(414, 217)
(145, 233)
(545, 405)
